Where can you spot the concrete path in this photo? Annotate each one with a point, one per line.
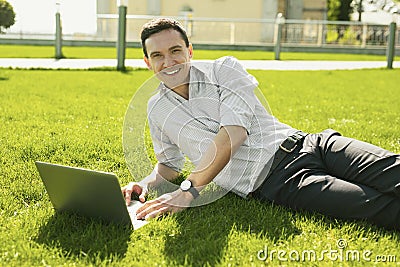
(48, 63)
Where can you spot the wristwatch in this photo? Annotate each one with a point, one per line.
(186, 186)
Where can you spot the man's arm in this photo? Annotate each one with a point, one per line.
(159, 174)
(217, 155)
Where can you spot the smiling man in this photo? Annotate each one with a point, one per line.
(211, 115)
(166, 54)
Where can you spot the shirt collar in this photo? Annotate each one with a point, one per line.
(196, 77)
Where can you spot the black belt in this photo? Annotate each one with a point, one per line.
(285, 148)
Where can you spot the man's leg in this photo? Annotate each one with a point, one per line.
(328, 195)
(362, 163)
(332, 175)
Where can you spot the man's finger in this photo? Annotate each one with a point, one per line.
(156, 213)
(142, 197)
(128, 196)
(144, 207)
(148, 208)
(137, 189)
(143, 194)
(131, 188)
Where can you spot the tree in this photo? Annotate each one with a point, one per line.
(7, 15)
(333, 9)
(345, 10)
(339, 10)
(358, 7)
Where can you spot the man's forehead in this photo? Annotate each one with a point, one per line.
(169, 34)
(164, 41)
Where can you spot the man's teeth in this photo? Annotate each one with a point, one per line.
(171, 72)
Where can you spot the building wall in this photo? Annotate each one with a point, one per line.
(222, 32)
(216, 8)
(315, 10)
(303, 9)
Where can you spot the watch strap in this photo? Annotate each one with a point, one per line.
(194, 192)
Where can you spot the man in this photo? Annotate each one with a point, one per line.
(212, 116)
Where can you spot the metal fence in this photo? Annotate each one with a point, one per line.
(261, 31)
(248, 33)
(320, 33)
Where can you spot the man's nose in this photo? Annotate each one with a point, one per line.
(169, 61)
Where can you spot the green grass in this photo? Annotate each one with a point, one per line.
(20, 51)
(76, 117)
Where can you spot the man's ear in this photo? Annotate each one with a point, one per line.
(146, 60)
(190, 50)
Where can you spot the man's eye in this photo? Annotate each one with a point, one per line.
(175, 51)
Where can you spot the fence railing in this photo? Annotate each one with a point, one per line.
(321, 33)
(249, 33)
(261, 31)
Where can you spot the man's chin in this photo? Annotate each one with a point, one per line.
(174, 83)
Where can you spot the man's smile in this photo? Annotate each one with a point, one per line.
(171, 72)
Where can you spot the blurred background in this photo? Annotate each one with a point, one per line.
(315, 23)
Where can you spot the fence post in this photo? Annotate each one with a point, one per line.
(232, 34)
(280, 20)
(58, 41)
(121, 42)
(364, 35)
(320, 34)
(390, 52)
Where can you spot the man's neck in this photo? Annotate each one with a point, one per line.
(182, 90)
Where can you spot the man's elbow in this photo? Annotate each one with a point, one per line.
(241, 135)
(237, 135)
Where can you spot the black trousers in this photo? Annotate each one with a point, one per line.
(339, 177)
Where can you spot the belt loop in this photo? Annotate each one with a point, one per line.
(285, 148)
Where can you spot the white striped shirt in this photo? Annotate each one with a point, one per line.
(221, 93)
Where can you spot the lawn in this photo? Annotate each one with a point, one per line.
(22, 51)
(76, 117)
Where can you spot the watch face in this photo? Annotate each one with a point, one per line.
(185, 185)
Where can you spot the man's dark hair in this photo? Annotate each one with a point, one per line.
(158, 25)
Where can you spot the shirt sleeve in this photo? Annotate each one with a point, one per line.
(237, 98)
(165, 151)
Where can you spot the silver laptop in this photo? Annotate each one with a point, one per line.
(88, 193)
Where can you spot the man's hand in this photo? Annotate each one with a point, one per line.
(166, 204)
(160, 173)
(134, 188)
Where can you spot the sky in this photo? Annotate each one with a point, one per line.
(38, 16)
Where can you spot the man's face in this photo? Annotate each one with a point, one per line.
(169, 58)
